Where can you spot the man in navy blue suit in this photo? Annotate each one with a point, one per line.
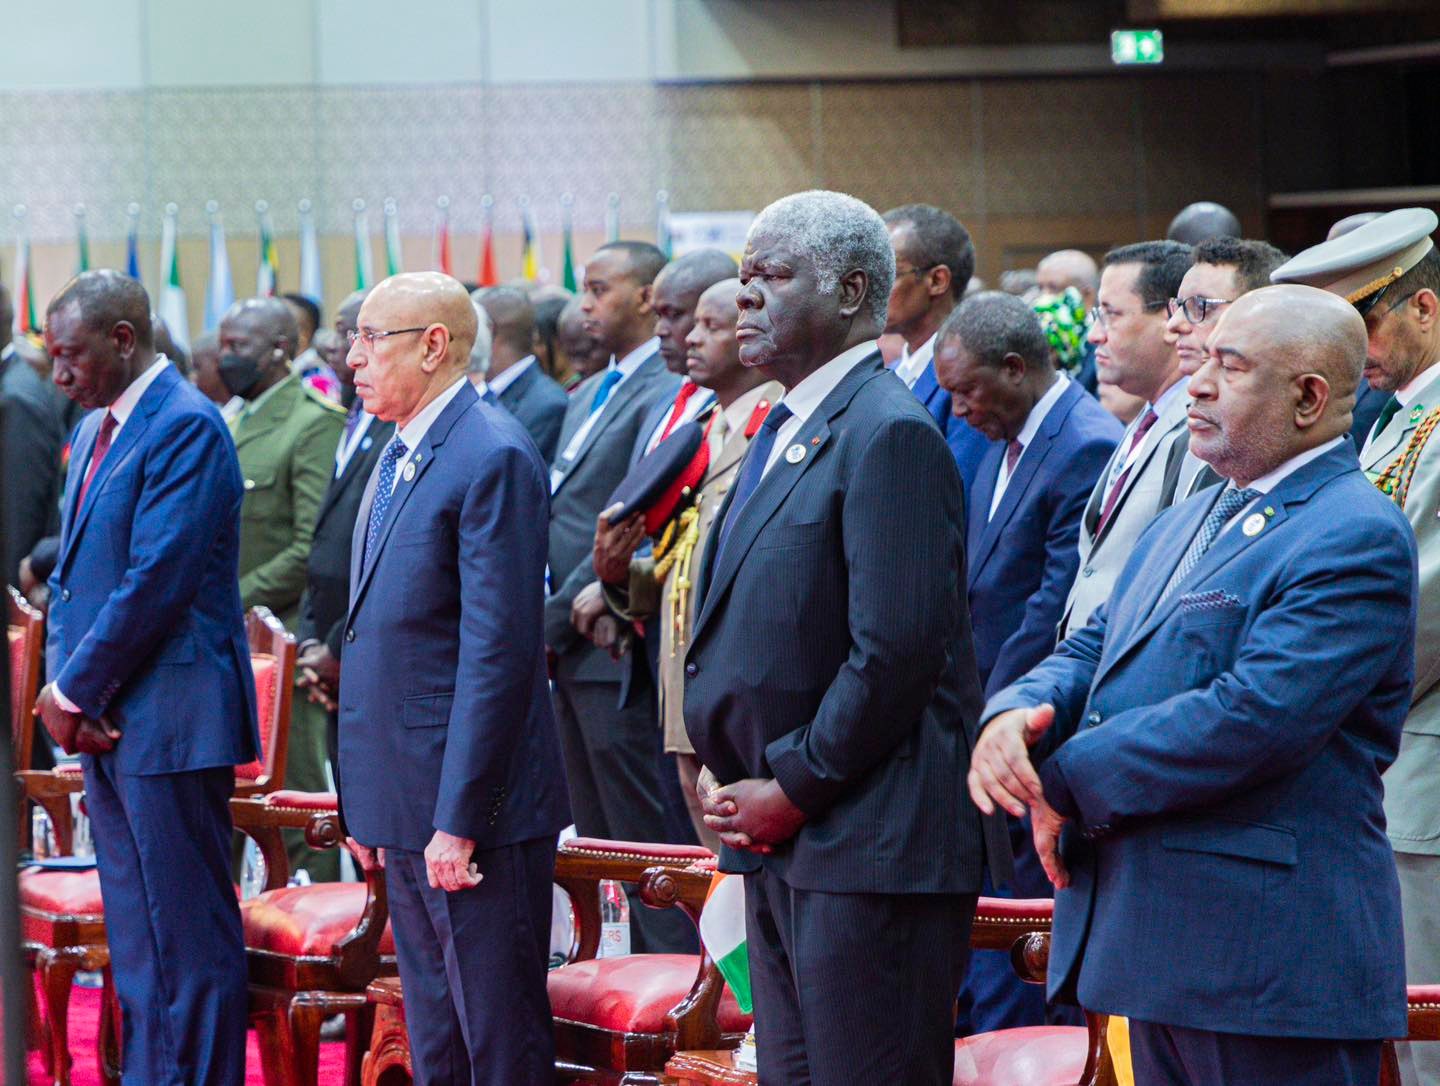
(934, 260)
(448, 750)
(1049, 441)
(1209, 748)
(150, 677)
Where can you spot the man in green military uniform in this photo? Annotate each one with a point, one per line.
(286, 438)
(1390, 270)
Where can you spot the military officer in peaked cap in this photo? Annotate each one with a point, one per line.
(1389, 269)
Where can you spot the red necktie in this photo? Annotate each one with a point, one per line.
(1012, 457)
(1146, 421)
(102, 446)
(688, 389)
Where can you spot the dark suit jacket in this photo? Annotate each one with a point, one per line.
(327, 585)
(832, 652)
(1368, 404)
(1024, 558)
(1223, 752)
(597, 469)
(145, 625)
(967, 444)
(539, 403)
(34, 433)
(445, 717)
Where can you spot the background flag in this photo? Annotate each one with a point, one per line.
(220, 295)
(82, 241)
(267, 275)
(394, 261)
(612, 217)
(567, 273)
(488, 277)
(132, 243)
(172, 296)
(442, 235)
(530, 243)
(25, 293)
(662, 223)
(364, 266)
(722, 930)
(310, 282)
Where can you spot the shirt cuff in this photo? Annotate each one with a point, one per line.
(64, 702)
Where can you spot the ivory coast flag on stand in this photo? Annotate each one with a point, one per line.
(24, 291)
(82, 241)
(722, 930)
(172, 296)
(267, 275)
(311, 284)
(488, 276)
(394, 259)
(567, 270)
(220, 294)
(364, 265)
(442, 235)
(132, 243)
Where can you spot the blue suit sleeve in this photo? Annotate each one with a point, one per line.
(192, 489)
(502, 565)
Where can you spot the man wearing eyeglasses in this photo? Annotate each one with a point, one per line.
(1389, 269)
(1128, 330)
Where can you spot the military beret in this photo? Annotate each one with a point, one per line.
(663, 478)
(1360, 264)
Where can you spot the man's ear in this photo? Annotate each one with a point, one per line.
(854, 286)
(647, 293)
(938, 281)
(1427, 308)
(124, 336)
(1313, 397)
(437, 346)
(1013, 367)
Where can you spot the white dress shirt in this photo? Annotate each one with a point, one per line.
(415, 430)
(345, 451)
(1026, 435)
(626, 366)
(700, 399)
(810, 393)
(911, 366)
(508, 376)
(1270, 480)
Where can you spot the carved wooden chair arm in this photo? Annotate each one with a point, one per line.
(51, 790)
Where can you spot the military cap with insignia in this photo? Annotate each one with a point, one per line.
(1363, 264)
(661, 482)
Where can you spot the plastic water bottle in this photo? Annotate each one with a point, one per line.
(614, 920)
(252, 871)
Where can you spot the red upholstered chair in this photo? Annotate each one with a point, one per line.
(310, 950)
(1424, 1025)
(62, 920)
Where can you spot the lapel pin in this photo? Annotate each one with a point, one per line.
(1269, 510)
(1417, 413)
(1254, 523)
(815, 440)
(249, 484)
(409, 471)
(366, 442)
(794, 454)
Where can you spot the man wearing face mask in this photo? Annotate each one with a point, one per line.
(286, 438)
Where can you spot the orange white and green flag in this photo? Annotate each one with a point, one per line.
(722, 930)
(24, 290)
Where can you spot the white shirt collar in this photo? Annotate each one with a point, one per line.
(6, 352)
(1271, 480)
(1041, 409)
(911, 366)
(804, 398)
(416, 429)
(1417, 384)
(631, 362)
(507, 377)
(1166, 398)
(124, 405)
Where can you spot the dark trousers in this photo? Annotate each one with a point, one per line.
(472, 964)
(612, 764)
(853, 988)
(1175, 1056)
(162, 844)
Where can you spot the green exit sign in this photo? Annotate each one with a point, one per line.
(1137, 46)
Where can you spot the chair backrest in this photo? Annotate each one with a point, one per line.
(27, 663)
(272, 658)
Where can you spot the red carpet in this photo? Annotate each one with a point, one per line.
(85, 1022)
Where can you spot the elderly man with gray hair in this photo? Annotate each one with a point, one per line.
(831, 688)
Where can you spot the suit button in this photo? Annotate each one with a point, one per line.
(1093, 718)
(65, 594)
(349, 635)
(691, 670)
(1088, 571)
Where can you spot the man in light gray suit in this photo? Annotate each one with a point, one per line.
(612, 754)
(1131, 352)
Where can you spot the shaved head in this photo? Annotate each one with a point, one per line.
(1202, 220)
(677, 288)
(269, 318)
(423, 298)
(1068, 268)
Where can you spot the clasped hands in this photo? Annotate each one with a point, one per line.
(751, 815)
(319, 673)
(1001, 774)
(75, 733)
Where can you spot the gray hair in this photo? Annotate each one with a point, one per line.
(838, 234)
(484, 340)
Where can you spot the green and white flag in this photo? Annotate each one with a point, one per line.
(722, 930)
(172, 308)
(394, 260)
(82, 241)
(364, 264)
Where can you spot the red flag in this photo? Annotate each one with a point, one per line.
(488, 278)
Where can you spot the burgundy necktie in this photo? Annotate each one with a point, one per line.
(688, 389)
(1012, 456)
(102, 446)
(1147, 420)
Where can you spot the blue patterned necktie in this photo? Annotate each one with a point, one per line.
(384, 488)
(1230, 503)
(753, 469)
(603, 390)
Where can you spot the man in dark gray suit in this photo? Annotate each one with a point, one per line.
(611, 753)
(831, 687)
(515, 376)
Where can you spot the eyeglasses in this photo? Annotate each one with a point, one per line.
(1366, 306)
(1103, 315)
(369, 335)
(1196, 308)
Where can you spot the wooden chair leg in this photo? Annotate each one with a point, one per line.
(37, 1031)
(57, 976)
(306, 1018)
(388, 1061)
(272, 1035)
(109, 1056)
(359, 1026)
